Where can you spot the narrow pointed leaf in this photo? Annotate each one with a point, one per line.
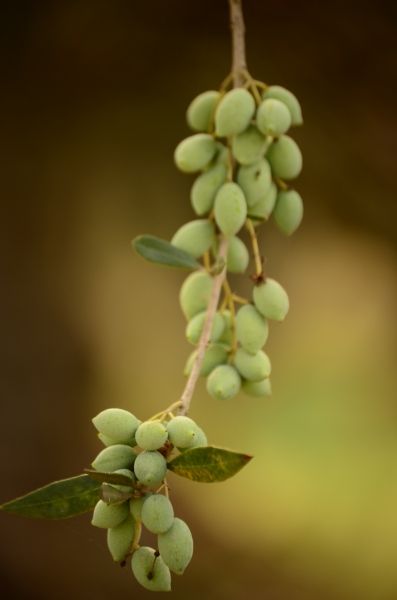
(162, 252)
(114, 478)
(57, 500)
(208, 464)
(111, 495)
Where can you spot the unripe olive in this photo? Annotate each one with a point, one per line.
(195, 237)
(215, 354)
(253, 367)
(106, 441)
(205, 187)
(195, 326)
(150, 570)
(195, 152)
(258, 388)
(249, 146)
(200, 439)
(230, 208)
(289, 99)
(285, 158)
(273, 117)
(136, 506)
(195, 293)
(234, 112)
(182, 431)
(224, 382)
(271, 300)
(119, 539)
(252, 329)
(114, 457)
(201, 110)
(151, 435)
(109, 515)
(116, 424)
(176, 546)
(255, 180)
(263, 209)
(237, 256)
(150, 468)
(157, 513)
(189, 363)
(288, 213)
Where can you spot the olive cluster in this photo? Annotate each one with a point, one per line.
(245, 158)
(139, 451)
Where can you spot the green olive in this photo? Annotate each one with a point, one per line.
(289, 99)
(285, 158)
(195, 152)
(200, 112)
(234, 112)
(288, 213)
(230, 208)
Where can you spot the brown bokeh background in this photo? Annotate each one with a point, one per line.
(93, 102)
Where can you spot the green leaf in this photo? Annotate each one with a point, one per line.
(111, 495)
(115, 478)
(208, 464)
(57, 500)
(162, 252)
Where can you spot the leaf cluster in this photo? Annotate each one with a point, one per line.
(77, 495)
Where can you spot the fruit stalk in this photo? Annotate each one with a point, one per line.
(238, 65)
(205, 336)
(255, 249)
(238, 41)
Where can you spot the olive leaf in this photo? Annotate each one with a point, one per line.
(114, 478)
(111, 495)
(208, 464)
(57, 500)
(162, 252)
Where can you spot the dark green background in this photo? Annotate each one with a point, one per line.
(92, 106)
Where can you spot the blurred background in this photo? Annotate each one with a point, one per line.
(93, 102)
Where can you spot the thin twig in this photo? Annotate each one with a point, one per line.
(137, 536)
(255, 248)
(239, 299)
(207, 261)
(281, 184)
(237, 27)
(187, 393)
(238, 66)
(232, 309)
(165, 411)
